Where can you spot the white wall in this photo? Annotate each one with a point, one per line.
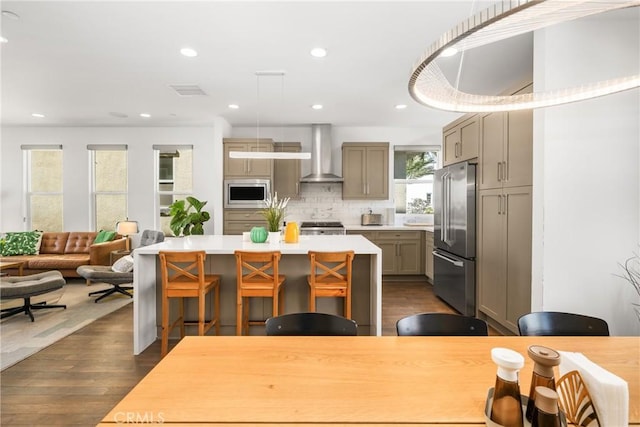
(207, 146)
(586, 179)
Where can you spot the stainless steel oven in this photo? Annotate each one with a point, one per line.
(246, 193)
(318, 228)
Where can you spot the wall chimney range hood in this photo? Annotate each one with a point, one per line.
(321, 156)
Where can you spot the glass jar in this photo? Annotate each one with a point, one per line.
(506, 408)
(545, 413)
(545, 359)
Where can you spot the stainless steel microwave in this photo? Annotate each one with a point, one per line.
(246, 193)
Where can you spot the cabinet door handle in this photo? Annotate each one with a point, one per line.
(505, 171)
(499, 171)
(499, 205)
(249, 165)
(506, 205)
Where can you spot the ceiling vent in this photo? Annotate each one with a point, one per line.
(188, 90)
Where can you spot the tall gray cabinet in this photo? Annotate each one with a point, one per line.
(503, 143)
(504, 216)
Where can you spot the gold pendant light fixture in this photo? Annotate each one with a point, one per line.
(506, 19)
(275, 155)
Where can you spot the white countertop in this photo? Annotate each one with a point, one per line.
(357, 227)
(227, 244)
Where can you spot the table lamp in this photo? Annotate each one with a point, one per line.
(127, 228)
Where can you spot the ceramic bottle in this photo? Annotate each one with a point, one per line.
(291, 233)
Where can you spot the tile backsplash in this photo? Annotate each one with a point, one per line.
(323, 202)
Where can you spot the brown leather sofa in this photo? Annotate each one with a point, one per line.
(65, 252)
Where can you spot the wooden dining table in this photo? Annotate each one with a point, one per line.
(364, 380)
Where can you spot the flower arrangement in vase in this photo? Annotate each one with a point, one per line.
(273, 212)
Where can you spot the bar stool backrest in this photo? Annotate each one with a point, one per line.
(441, 324)
(556, 323)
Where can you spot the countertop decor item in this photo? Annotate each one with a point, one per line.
(274, 211)
(183, 222)
(258, 235)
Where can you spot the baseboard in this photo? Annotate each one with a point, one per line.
(404, 278)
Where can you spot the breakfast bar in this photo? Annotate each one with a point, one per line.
(366, 288)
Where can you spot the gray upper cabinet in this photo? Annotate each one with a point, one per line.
(365, 170)
(506, 144)
(286, 173)
(460, 140)
(247, 168)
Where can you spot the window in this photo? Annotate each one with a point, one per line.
(43, 187)
(109, 185)
(413, 178)
(174, 179)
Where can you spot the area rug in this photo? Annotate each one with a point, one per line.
(20, 338)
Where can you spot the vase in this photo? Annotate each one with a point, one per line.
(258, 235)
(274, 237)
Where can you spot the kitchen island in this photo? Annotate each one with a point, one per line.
(366, 281)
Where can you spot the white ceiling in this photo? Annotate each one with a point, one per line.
(77, 62)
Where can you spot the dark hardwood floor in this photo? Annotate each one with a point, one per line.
(79, 379)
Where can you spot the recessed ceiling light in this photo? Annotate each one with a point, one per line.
(38, 115)
(187, 51)
(10, 15)
(234, 106)
(319, 52)
(450, 51)
(317, 106)
(145, 115)
(401, 106)
(3, 40)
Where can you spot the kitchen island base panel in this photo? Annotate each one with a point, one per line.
(294, 264)
(295, 295)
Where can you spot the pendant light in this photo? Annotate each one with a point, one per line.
(505, 19)
(275, 155)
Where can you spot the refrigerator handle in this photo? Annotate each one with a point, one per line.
(452, 261)
(443, 213)
(446, 223)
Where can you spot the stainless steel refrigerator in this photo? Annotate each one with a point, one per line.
(454, 236)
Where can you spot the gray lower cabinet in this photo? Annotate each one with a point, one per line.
(402, 251)
(428, 249)
(504, 255)
(236, 221)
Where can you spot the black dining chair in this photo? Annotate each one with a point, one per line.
(556, 323)
(441, 324)
(310, 324)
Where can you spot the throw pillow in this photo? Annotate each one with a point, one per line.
(104, 236)
(123, 265)
(22, 243)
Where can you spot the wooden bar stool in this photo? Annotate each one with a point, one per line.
(183, 277)
(257, 276)
(330, 277)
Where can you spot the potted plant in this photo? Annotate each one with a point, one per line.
(631, 273)
(183, 222)
(273, 212)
